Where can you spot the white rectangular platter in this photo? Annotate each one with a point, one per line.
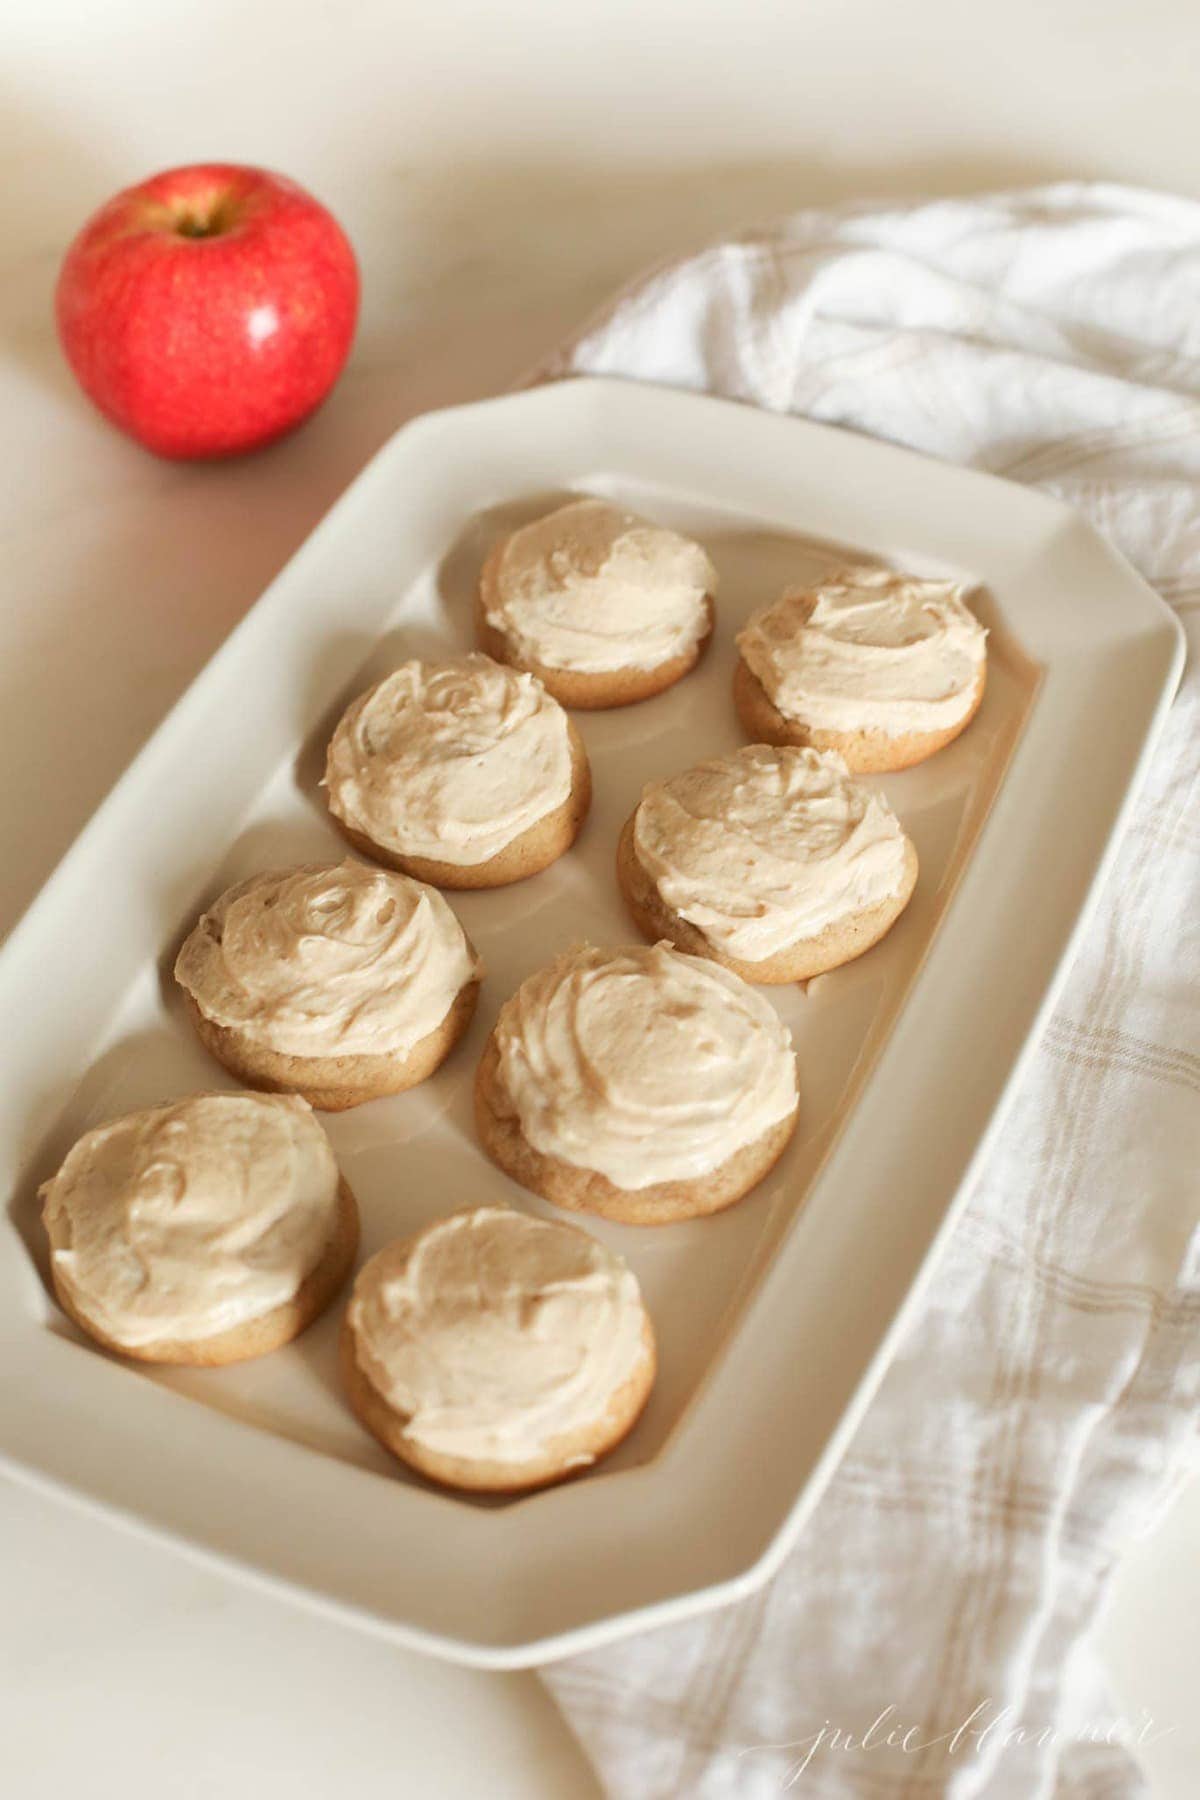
(775, 1318)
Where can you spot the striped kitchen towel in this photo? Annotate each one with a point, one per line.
(929, 1635)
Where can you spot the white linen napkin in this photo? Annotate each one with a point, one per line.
(929, 1636)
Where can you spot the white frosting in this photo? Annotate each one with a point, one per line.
(643, 1064)
(495, 1334)
(590, 588)
(451, 761)
(765, 848)
(328, 961)
(869, 650)
(192, 1218)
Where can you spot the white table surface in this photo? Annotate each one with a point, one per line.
(500, 169)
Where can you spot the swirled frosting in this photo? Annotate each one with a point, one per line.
(765, 848)
(450, 760)
(495, 1333)
(642, 1063)
(192, 1218)
(328, 961)
(869, 650)
(590, 588)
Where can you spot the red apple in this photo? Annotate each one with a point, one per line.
(209, 309)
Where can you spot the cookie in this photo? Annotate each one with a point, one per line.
(204, 1231)
(773, 861)
(497, 1352)
(883, 668)
(340, 982)
(638, 1083)
(460, 773)
(604, 608)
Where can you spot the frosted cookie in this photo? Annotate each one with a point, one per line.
(340, 983)
(497, 1352)
(773, 862)
(882, 667)
(638, 1084)
(602, 606)
(205, 1231)
(462, 773)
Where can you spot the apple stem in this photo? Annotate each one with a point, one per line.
(205, 221)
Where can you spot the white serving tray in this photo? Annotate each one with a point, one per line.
(774, 1319)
